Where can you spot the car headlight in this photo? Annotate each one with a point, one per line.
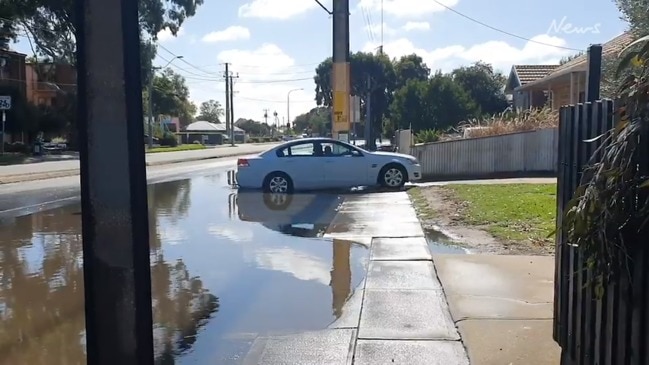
(413, 161)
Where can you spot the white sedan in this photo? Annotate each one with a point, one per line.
(324, 163)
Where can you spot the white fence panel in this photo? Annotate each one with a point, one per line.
(518, 153)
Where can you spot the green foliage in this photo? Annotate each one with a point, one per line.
(184, 147)
(437, 103)
(317, 120)
(171, 97)
(169, 140)
(405, 94)
(608, 215)
(484, 86)
(427, 136)
(210, 111)
(253, 128)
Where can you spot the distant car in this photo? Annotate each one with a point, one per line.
(323, 163)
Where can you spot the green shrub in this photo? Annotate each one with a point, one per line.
(168, 140)
(17, 147)
(427, 136)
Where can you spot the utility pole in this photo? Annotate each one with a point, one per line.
(266, 121)
(231, 77)
(340, 73)
(368, 115)
(227, 97)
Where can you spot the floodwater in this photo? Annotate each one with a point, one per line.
(226, 268)
(439, 243)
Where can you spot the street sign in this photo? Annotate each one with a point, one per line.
(5, 102)
(338, 116)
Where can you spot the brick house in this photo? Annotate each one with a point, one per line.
(566, 84)
(12, 83)
(48, 81)
(521, 75)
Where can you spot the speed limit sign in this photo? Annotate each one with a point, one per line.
(5, 102)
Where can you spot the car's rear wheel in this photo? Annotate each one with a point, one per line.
(393, 176)
(278, 182)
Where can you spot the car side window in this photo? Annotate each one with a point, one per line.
(300, 149)
(336, 149)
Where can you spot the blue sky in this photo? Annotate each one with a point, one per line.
(275, 44)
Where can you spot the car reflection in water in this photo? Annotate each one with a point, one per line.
(301, 215)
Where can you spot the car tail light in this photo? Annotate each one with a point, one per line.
(242, 162)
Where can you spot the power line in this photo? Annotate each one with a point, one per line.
(500, 30)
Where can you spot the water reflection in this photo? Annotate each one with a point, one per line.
(211, 252)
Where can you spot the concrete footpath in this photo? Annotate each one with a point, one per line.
(503, 306)
(55, 169)
(398, 314)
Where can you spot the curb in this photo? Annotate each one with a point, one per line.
(12, 179)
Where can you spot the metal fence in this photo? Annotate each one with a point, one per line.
(517, 154)
(614, 329)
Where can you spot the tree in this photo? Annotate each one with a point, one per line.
(367, 70)
(51, 26)
(411, 67)
(253, 127)
(484, 86)
(438, 103)
(171, 97)
(210, 111)
(317, 120)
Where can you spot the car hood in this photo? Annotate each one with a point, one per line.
(394, 155)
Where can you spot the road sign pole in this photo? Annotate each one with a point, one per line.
(2, 142)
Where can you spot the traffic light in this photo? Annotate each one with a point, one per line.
(288, 125)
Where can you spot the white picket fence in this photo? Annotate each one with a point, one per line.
(519, 154)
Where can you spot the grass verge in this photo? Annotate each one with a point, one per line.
(183, 147)
(424, 210)
(12, 159)
(512, 212)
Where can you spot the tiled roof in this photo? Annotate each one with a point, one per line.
(612, 47)
(529, 73)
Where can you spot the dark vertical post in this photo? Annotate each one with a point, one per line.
(368, 115)
(594, 72)
(227, 98)
(231, 111)
(341, 72)
(113, 184)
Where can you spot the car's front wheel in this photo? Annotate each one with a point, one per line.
(278, 182)
(393, 176)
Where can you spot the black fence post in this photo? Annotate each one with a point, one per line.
(113, 184)
(594, 72)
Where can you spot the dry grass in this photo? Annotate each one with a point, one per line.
(511, 122)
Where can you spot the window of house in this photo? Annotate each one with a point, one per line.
(582, 97)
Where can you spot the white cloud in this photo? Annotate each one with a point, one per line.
(500, 54)
(410, 26)
(277, 9)
(232, 33)
(301, 265)
(266, 75)
(165, 35)
(408, 8)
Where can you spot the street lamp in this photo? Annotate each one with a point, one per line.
(288, 104)
(150, 91)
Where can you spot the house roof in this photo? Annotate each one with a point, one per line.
(205, 126)
(529, 73)
(579, 64)
(524, 74)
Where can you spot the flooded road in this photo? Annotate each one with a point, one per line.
(225, 269)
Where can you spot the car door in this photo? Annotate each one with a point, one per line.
(344, 165)
(300, 162)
